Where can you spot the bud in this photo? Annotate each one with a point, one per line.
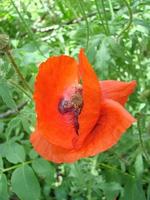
(4, 42)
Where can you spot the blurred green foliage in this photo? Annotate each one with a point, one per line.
(115, 35)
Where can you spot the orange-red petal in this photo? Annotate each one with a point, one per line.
(117, 90)
(52, 152)
(102, 120)
(113, 122)
(91, 98)
(54, 77)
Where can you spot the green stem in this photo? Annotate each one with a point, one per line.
(89, 192)
(111, 9)
(126, 28)
(114, 168)
(16, 68)
(141, 139)
(105, 16)
(100, 16)
(87, 23)
(141, 114)
(16, 166)
(20, 88)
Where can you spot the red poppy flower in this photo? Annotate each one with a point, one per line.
(77, 115)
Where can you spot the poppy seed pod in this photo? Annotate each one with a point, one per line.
(77, 115)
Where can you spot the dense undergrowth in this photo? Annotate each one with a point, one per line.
(115, 35)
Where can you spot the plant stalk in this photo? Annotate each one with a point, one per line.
(16, 68)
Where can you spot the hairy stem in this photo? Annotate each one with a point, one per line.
(111, 9)
(87, 23)
(100, 16)
(126, 28)
(12, 83)
(105, 16)
(16, 68)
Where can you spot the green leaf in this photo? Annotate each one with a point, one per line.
(148, 192)
(25, 123)
(103, 58)
(3, 149)
(33, 154)
(133, 190)
(25, 184)
(1, 162)
(3, 187)
(111, 190)
(13, 125)
(6, 94)
(14, 152)
(1, 127)
(139, 167)
(61, 193)
(44, 169)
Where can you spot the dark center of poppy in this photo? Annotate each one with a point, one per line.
(72, 102)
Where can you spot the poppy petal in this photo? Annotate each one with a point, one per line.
(117, 90)
(52, 152)
(54, 77)
(91, 98)
(113, 122)
(105, 134)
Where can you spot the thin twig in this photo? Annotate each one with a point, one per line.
(57, 26)
(13, 111)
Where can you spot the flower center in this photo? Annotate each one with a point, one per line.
(72, 102)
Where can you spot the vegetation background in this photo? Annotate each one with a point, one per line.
(116, 37)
